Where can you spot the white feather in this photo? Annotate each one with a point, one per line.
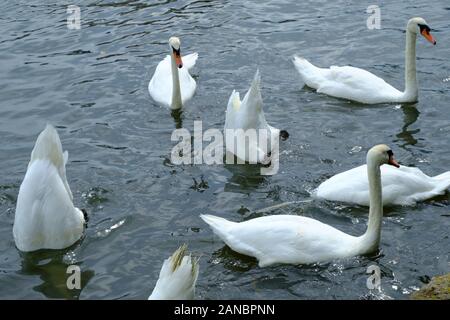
(401, 186)
(45, 216)
(177, 277)
(246, 115)
(160, 86)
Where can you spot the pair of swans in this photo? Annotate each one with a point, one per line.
(46, 217)
(300, 240)
(404, 186)
(172, 86)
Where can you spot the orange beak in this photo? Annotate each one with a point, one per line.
(427, 35)
(177, 56)
(393, 162)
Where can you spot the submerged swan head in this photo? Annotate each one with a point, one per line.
(382, 154)
(419, 24)
(175, 45)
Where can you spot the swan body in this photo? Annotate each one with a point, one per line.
(402, 186)
(245, 118)
(300, 240)
(172, 85)
(177, 277)
(45, 216)
(362, 86)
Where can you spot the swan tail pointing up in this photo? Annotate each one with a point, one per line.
(48, 147)
(177, 277)
(220, 226)
(253, 99)
(255, 88)
(234, 103)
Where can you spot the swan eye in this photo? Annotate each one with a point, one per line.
(390, 153)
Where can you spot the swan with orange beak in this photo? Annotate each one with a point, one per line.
(172, 85)
(360, 85)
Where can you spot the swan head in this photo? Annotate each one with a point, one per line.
(419, 24)
(175, 45)
(382, 154)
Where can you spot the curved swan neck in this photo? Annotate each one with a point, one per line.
(411, 86)
(176, 90)
(371, 238)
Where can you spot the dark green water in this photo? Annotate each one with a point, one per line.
(92, 84)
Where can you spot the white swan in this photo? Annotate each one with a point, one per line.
(402, 186)
(177, 278)
(246, 118)
(362, 86)
(172, 85)
(45, 215)
(301, 240)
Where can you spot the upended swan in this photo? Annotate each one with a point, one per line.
(300, 240)
(362, 86)
(172, 85)
(402, 186)
(45, 216)
(245, 120)
(177, 277)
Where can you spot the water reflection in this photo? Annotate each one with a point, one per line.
(233, 260)
(411, 114)
(245, 177)
(51, 267)
(177, 117)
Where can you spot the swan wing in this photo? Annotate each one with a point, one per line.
(347, 82)
(190, 60)
(187, 84)
(160, 86)
(357, 84)
(402, 186)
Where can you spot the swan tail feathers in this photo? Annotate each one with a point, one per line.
(177, 277)
(48, 147)
(235, 101)
(253, 98)
(220, 226)
(443, 180)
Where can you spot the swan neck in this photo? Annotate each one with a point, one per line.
(411, 87)
(176, 90)
(371, 238)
